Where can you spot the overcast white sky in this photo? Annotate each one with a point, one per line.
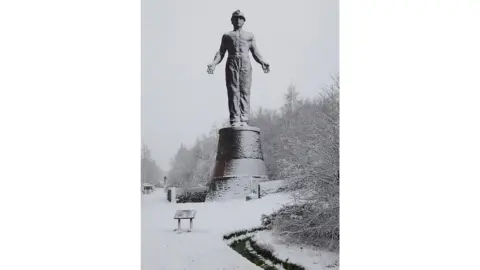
(181, 101)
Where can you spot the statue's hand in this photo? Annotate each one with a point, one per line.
(266, 67)
(210, 68)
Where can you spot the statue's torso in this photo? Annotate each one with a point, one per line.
(238, 43)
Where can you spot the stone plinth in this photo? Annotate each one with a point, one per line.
(239, 160)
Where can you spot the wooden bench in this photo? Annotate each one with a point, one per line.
(184, 214)
(147, 189)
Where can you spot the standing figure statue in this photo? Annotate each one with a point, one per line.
(238, 70)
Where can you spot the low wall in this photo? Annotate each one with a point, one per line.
(194, 194)
(269, 187)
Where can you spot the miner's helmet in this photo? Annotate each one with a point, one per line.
(238, 13)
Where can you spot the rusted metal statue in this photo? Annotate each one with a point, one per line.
(238, 70)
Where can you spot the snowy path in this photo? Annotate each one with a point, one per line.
(203, 248)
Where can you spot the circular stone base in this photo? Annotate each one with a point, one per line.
(239, 153)
(239, 163)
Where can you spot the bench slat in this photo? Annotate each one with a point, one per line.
(184, 214)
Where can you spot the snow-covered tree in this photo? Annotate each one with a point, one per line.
(151, 173)
(311, 165)
(193, 166)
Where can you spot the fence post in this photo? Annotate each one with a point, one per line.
(174, 195)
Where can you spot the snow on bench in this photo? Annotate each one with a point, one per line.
(184, 214)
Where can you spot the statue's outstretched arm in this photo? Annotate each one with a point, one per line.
(258, 57)
(256, 53)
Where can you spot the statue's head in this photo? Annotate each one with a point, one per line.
(238, 19)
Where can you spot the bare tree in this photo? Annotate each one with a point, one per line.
(312, 167)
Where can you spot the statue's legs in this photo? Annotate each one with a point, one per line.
(238, 74)
(245, 83)
(233, 88)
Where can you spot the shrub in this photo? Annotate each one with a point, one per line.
(192, 197)
(307, 224)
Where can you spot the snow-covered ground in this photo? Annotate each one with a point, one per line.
(307, 257)
(204, 247)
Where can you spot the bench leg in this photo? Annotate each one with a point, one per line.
(191, 224)
(178, 224)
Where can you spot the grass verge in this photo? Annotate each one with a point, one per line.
(260, 255)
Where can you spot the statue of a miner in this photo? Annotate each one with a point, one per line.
(238, 69)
